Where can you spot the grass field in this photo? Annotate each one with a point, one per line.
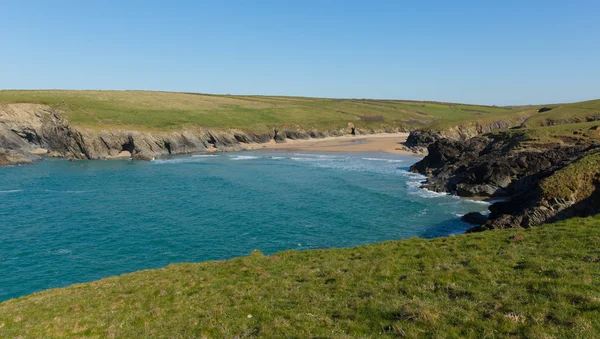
(169, 111)
(174, 111)
(542, 282)
(575, 181)
(578, 112)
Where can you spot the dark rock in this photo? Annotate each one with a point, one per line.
(474, 218)
(420, 138)
(503, 166)
(544, 109)
(494, 167)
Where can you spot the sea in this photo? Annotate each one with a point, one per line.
(65, 222)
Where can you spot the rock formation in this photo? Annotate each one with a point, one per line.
(503, 166)
(27, 127)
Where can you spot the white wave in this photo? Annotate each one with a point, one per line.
(491, 202)
(243, 157)
(384, 160)
(320, 156)
(277, 158)
(425, 193)
(411, 175)
(346, 163)
(63, 251)
(482, 202)
(170, 161)
(309, 159)
(11, 191)
(183, 160)
(414, 188)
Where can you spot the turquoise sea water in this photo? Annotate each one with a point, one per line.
(66, 222)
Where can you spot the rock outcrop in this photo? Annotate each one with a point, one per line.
(503, 166)
(419, 140)
(474, 218)
(10, 157)
(572, 191)
(27, 127)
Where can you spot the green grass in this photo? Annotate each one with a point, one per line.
(557, 135)
(171, 111)
(143, 110)
(542, 282)
(568, 113)
(575, 181)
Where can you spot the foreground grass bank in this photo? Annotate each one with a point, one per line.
(541, 282)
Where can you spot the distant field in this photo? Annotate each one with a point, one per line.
(570, 123)
(539, 283)
(174, 111)
(170, 111)
(578, 112)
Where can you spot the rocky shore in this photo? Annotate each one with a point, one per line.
(26, 129)
(538, 182)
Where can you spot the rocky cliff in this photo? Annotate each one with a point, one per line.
(418, 140)
(31, 128)
(505, 166)
(572, 191)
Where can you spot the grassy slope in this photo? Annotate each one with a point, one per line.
(172, 111)
(575, 180)
(573, 113)
(539, 282)
(162, 110)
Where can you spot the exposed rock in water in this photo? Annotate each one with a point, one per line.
(474, 218)
(10, 158)
(573, 191)
(501, 166)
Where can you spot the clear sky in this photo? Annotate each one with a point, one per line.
(490, 52)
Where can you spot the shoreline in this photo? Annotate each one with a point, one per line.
(379, 142)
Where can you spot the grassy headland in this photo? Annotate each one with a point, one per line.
(172, 111)
(539, 282)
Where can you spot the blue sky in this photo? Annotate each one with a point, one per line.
(490, 52)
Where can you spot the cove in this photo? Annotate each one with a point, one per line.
(67, 222)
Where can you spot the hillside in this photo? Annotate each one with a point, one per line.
(172, 111)
(539, 282)
(148, 125)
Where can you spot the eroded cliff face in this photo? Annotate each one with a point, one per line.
(572, 191)
(419, 140)
(27, 128)
(502, 166)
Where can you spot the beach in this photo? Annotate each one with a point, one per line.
(380, 142)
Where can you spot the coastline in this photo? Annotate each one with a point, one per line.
(378, 142)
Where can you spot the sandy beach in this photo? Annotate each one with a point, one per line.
(382, 142)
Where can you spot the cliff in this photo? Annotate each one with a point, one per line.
(530, 175)
(27, 128)
(418, 140)
(572, 191)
